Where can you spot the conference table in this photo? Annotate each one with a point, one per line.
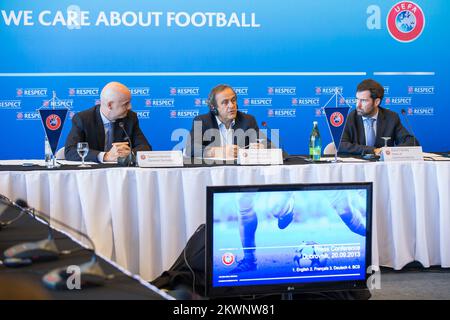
(26, 282)
(141, 218)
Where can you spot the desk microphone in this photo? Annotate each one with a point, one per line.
(90, 273)
(28, 252)
(8, 207)
(285, 154)
(409, 125)
(130, 160)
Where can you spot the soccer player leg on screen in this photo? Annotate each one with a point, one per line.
(248, 222)
(350, 206)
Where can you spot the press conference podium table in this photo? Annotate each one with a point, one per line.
(141, 218)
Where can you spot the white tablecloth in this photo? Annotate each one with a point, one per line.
(142, 218)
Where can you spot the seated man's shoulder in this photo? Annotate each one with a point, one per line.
(389, 113)
(389, 116)
(132, 115)
(87, 113)
(203, 117)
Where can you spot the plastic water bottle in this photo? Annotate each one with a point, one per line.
(315, 143)
(48, 153)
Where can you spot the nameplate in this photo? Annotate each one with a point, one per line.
(148, 159)
(401, 154)
(260, 156)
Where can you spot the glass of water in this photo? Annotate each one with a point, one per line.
(83, 149)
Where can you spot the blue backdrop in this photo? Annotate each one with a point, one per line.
(283, 57)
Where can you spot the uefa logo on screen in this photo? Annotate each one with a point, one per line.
(405, 21)
(228, 258)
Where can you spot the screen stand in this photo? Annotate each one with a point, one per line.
(286, 296)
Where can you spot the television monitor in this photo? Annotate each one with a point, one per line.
(263, 239)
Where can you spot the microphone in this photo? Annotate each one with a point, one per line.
(9, 208)
(130, 160)
(285, 154)
(409, 126)
(90, 273)
(26, 253)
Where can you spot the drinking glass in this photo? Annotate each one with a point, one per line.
(83, 149)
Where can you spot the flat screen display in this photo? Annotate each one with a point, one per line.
(287, 238)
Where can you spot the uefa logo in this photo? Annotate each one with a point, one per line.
(228, 258)
(405, 21)
(53, 122)
(336, 119)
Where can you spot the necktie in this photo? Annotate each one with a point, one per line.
(109, 134)
(370, 138)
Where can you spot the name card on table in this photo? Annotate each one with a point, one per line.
(401, 154)
(260, 156)
(149, 159)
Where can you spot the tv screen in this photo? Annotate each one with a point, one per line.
(287, 238)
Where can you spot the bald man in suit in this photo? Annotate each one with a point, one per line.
(103, 126)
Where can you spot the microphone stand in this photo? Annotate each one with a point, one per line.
(285, 155)
(90, 271)
(409, 126)
(130, 160)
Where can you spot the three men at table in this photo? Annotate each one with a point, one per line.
(103, 127)
(224, 129)
(369, 122)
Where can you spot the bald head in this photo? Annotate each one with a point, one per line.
(115, 101)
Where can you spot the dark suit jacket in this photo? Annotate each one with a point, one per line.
(388, 125)
(87, 126)
(197, 142)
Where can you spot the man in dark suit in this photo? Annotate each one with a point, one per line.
(103, 126)
(369, 122)
(223, 130)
